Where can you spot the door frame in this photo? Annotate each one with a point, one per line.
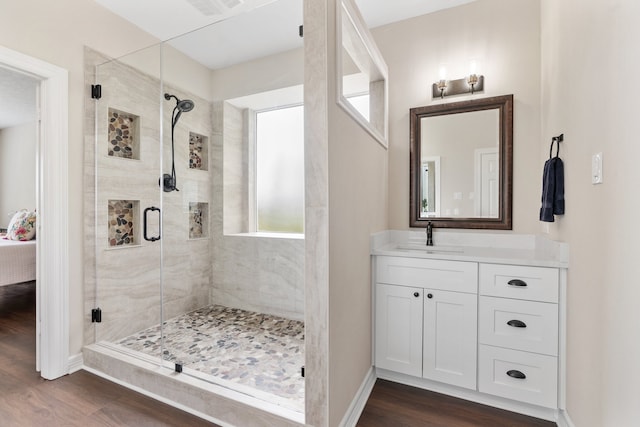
(52, 276)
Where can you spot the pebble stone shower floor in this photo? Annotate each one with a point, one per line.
(254, 350)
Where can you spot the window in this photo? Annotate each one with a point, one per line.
(279, 170)
(361, 104)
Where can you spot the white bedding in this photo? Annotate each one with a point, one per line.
(17, 261)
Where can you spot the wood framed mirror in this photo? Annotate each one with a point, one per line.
(461, 164)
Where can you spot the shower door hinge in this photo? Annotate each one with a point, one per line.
(302, 371)
(96, 315)
(96, 91)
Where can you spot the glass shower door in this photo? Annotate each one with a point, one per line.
(186, 199)
(128, 203)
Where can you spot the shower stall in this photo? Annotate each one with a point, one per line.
(180, 282)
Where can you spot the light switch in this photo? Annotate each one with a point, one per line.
(596, 168)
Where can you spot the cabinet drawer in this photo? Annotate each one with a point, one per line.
(520, 325)
(434, 274)
(499, 369)
(519, 282)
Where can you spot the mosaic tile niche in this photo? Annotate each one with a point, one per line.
(198, 151)
(123, 222)
(198, 220)
(124, 137)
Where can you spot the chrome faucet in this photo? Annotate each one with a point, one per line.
(429, 234)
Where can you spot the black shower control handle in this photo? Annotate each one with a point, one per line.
(146, 213)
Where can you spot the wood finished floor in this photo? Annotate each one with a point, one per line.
(79, 399)
(397, 405)
(83, 399)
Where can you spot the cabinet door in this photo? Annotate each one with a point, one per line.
(399, 329)
(450, 333)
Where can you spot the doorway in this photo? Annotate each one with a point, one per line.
(52, 305)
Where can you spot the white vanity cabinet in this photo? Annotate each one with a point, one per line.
(480, 317)
(485, 331)
(518, 333)
(426, 318)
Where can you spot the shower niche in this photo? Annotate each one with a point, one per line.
(124, 136)
(198, 220)
(123, 223)
(198, 151)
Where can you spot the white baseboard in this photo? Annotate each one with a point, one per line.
(75, 363)
(564, 420)
(358, 403)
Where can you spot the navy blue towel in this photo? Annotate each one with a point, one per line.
(552, 189)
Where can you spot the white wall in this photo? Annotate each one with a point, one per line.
(17, 170)
(504, 36)
(587, 42)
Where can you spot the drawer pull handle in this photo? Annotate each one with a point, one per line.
(416, 294)
(517, 323)
(517, 283)
(516, 374)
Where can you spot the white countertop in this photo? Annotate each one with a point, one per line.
(526, 250)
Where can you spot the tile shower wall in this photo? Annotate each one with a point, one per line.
(252, 273)
(263, 274)
(128, 274)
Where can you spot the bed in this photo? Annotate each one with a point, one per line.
(17, 261)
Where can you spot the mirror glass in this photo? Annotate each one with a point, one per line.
(362, 73)
(461, 164)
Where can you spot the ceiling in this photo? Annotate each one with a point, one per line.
(271, 27)
(237, 36)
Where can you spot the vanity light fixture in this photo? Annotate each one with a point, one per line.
(470, 84)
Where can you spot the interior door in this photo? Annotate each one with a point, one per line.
(487, 182)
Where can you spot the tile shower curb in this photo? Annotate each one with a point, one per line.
(224, 406)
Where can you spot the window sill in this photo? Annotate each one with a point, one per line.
(293, 236)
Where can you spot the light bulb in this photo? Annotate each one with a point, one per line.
(473, 67)
(443, 72)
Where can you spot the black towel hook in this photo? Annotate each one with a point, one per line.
(556, 139)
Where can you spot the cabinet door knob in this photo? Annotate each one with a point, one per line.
(416, 294)
(429, 295)
(517, 283)
(516, 374)
(517, 323)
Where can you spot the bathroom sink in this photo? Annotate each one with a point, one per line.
(431, 249)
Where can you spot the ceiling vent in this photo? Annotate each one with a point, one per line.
(215, 7)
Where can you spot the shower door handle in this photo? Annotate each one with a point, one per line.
(146, 213)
